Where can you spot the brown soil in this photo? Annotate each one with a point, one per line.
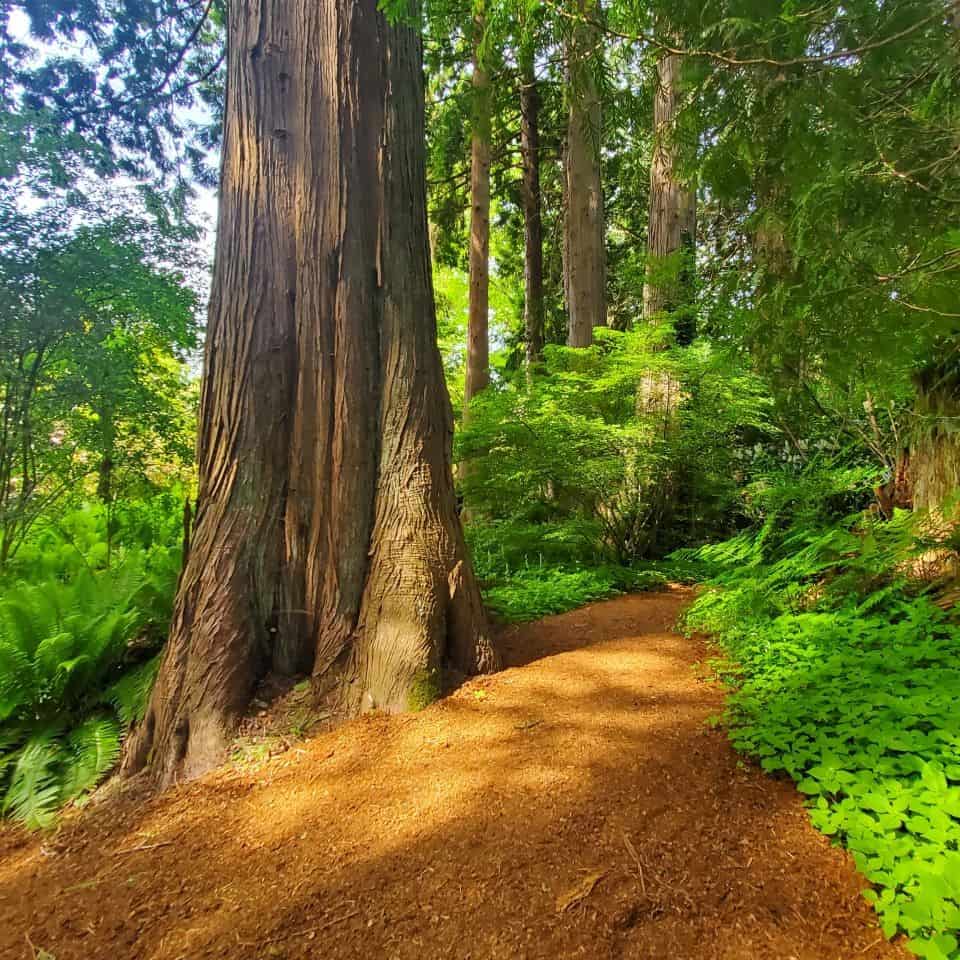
(575, 805)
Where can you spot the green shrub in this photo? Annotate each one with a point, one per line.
(64, 545)
(567, 466)
(537, 592)
(77, 660)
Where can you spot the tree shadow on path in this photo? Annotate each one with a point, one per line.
(574, 806)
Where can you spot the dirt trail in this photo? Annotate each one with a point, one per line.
(575, 805)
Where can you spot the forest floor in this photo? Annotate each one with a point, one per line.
(575, 805)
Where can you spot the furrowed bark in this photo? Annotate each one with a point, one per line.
(326, 538)
(220, 642)
(421, 609)
(935, 450)
(671, 239)
(478, 336)
(585, 265)
(533, 305)
(673, 212)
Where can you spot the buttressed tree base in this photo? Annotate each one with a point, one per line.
(326, 538)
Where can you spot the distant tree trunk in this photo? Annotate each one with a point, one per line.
(672, 230)
(326, 536)
(671, 240)
(533, 309)
(935, 450)
(585, 268)
(478, 334)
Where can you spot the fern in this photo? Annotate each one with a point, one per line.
(16, 678)
(93, 749)
(68, 650)
(130, 693)
(33, 796)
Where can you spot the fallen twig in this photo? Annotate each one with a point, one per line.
(636, 859)
(142, 847)
(302, 933)
(83, 886)
(528, 726)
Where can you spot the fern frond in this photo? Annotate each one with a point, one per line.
(24, 623)
(93, 749)
(33, 795)
(129, 695)
(17, 679)
(51, 653)
(10, 739)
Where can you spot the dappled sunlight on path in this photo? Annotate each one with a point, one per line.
(575, 805)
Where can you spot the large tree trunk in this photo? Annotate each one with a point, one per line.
(533, 308)
(326, 536)
(671, 236)
(935, 450)
(585, 262)
(478, 339)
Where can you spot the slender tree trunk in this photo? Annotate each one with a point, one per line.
(671, 240)
(671, 236)
(585, 265)
(478, 336)
(533, 309)
(326, 537)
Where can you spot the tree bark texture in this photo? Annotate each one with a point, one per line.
(671, 238)
(673, 212)
(478, 335)
(935, 450)
(326, 537)
(585, 265)
(533, 308)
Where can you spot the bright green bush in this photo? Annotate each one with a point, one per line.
(568, 466)
(64, 544)
(537, 592)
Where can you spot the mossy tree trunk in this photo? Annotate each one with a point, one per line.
(326, 537)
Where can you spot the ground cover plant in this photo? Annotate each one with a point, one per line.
(535, 592)
(846, 677)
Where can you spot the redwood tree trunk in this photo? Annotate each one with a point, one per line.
(585, 263)
(533, 309)
(478, 339)
(326, 537)
(671, 236)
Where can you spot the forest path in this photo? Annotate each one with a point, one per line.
(575, 805)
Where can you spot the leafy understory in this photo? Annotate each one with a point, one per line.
(848, 681)
(535, 592)
(77, 661)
